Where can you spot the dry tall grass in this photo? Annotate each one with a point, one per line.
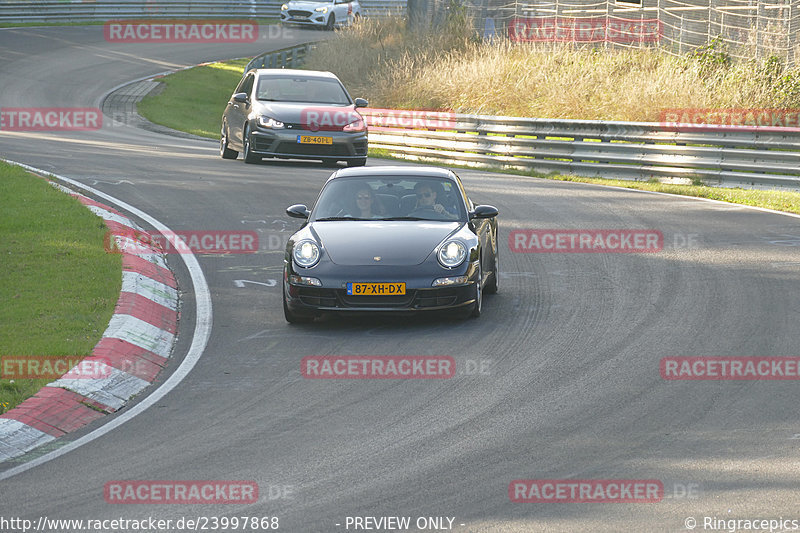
(396, 68)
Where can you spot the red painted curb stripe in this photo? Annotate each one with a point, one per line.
(138, 306)
(89, 202)
(130, 358)
(135, 263)
(118, 228)
(55, 411)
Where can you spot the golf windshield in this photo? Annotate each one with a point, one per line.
(301, 89)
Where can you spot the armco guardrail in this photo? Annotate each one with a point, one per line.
(291, 57)
(627, 150)
(60, 11)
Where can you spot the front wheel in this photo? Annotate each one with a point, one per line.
(224, 151)
(478, 305)
(494, 277)
(248, 155)
(331, 22)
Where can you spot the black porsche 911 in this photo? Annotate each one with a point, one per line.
(390, 238)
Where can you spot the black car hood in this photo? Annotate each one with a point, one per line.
(328, 116)
(398, 243)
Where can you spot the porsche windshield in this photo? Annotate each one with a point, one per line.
(402, 198)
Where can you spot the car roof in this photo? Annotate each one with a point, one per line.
(394, 171)
(294, 72)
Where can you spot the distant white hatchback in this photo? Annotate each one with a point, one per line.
(326, 14)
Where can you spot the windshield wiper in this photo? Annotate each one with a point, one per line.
(341, 218)
(406, 218)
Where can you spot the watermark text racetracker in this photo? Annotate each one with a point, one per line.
(585, 241)
(181, 31)
(378, 367)
(181, 492)
(730, 368)
(732, 118)
(586, 490)
(54, 367)
(183, 242)
(585, 29)
(50, 119)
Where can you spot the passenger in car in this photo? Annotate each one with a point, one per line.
(367, 205)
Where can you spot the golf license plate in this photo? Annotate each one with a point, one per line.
(375, 289)
(311, 139)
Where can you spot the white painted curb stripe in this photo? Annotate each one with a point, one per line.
(149, 288)
(19, 438)
(112, 391)
(113, 217)
(142, 334)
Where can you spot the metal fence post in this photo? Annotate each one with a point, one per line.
(789, 41)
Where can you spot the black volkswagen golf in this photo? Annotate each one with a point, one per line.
(295, 114)
(391, 238)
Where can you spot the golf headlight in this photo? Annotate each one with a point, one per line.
(269, 122)
(452, 254)
(284, 7)
(306, 253)
(355, 126)
(323, 9)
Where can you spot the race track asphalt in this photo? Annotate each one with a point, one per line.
(570, 389)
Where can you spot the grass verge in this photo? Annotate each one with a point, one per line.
(193, 100)
(213, 84)
(58, 285)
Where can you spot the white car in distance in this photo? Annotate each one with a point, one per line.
(326, 14)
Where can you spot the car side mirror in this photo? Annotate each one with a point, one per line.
(298, 211)
(484, 211)
(360, 102)
(240, 97)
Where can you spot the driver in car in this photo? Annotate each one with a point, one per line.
(426, 199)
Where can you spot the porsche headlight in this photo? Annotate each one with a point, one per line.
(323, 9)
(452, 254)
(306, 253)
(269, 122)
(284, 7)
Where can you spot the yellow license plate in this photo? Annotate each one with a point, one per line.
(376, 289)
(310, 139)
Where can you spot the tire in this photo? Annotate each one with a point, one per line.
(249, 157)
(331, 23)
(357, 162)
(478, 305)
(329, 162)
(224, 151)
(294, 318)
(494, 278)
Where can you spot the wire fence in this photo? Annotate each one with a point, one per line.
(749, 29)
